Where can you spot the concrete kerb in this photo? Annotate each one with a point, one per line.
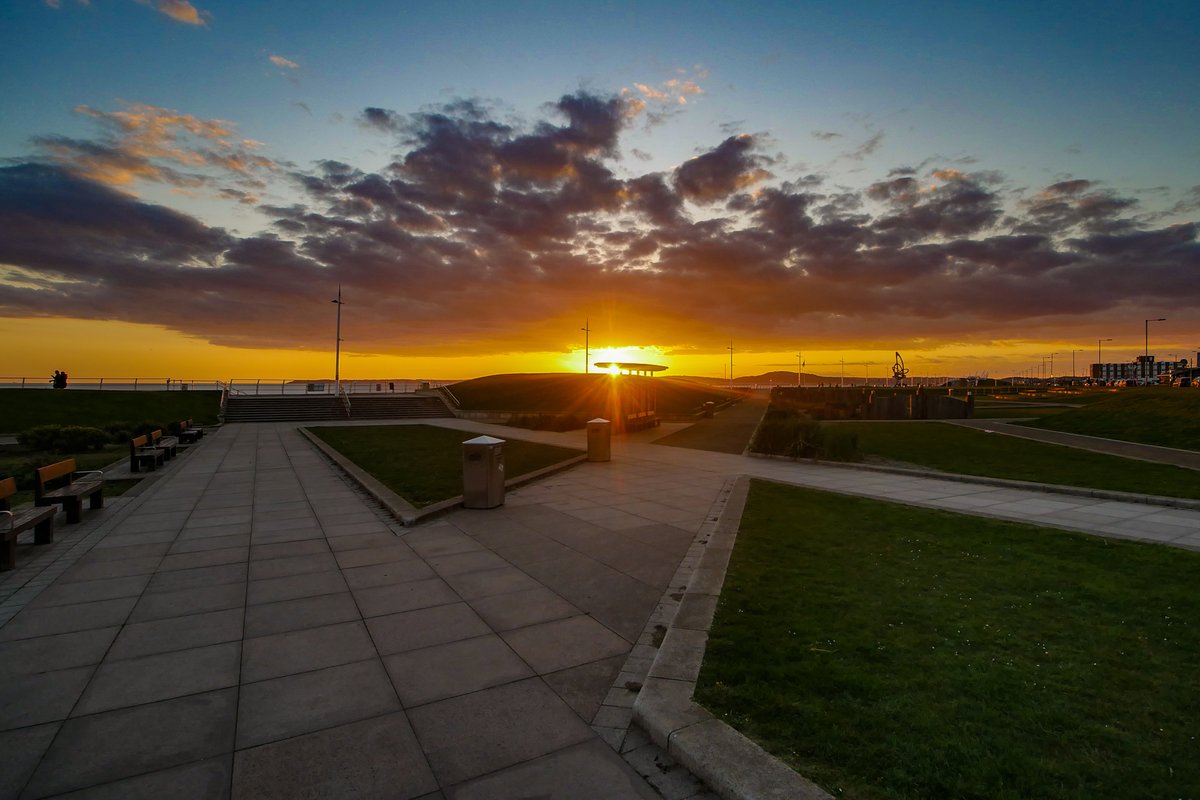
(732, 765)
(401, 509)
(1005, 483)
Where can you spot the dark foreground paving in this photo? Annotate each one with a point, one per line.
(250, 626)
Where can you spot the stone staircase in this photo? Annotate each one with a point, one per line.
(297, 408)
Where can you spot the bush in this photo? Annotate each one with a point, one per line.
(42, 437)
(63, 438)
(795, 436)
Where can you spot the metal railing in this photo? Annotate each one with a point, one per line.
(138, 384)
(235, 386)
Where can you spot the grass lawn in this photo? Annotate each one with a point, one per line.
(1165, 416)
(1014, 411)
(21, 409)
(886, 651)
(951, 448)
(585, 395)
(423, 463)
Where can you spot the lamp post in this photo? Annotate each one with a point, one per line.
(1073, 375)
(337, 343)
(730, 348)
(1160, 319)
(586, 353)
(799, 367)
(1052, 355)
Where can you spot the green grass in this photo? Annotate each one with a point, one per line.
(423, 463)
(21, 465)
(965, 451)
(21, 409)
(891, 652)
(1164, 416)
(1014, 411)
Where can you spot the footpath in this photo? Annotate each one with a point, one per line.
(252, 625)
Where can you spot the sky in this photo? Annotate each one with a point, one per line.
(185, 186)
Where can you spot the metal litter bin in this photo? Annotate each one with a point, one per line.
(599, 440)
(483, 472)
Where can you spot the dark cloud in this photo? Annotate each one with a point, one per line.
(720, 172)
(489, 233)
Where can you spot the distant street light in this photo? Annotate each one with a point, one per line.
(1052, 355)
(1160, 319)
(586, 353)
(799, 367)
(1073, 352)
(337, 344)
(730, 348)
(1098, 341)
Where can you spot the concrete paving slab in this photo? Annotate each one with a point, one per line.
(519, 609)
(505, 580)
(297, 704)
(410, 630)
(559, 644)
(183, 602)
(281, 567)
(375, 758)
(291, 587)
(148, 679)
(303, 547)
(107, 747)
(452, 669)
(304, 612)
(204, 780)
(305, 650)
(365, 557)
(22, 749)
(587, 771)
(472, 735)
(197, 578)
(48, 653)
(178, 633)
(389, 572)
(33, 622)
(585, 687)
(379, 600)
(204, 558)
(62, 594)
(42, 697)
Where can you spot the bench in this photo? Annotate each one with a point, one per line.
(13, 522)
(189, 434)
(140, 452)
(62, 483)
(168, 444)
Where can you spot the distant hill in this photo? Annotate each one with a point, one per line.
(776, 378)
(575, 393)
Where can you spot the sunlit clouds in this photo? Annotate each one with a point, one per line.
(179, 10)
(481, 231)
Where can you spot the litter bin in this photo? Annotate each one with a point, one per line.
(599, 440)
(483, 472)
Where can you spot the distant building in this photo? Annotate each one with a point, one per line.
(1144, 370)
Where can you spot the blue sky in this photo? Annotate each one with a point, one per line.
(1016, 97)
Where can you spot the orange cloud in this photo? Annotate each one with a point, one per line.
(179, 10)
(286, 63)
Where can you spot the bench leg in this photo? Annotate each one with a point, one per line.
(8, 554)
(133, 464)
(74, 509)
(43, 532)
(97, 500)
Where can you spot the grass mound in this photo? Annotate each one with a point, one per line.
(1156, 415)
(99, 408)
(584, 395)
(886, 651)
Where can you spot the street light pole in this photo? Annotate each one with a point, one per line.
(586, 353)
(799, 367)
(337, 345)
(1052, 355)
(730, 363)
(1160, 319)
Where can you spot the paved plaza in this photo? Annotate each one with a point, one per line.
(250, 624)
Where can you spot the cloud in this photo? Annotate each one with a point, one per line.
(280, 61)
(180, 11)
(527, 225)
(826, 136)
(865, 149)
(150, 143)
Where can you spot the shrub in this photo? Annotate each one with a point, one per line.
(79, 439)
(795, 436)
(840, 444)
(41, 437)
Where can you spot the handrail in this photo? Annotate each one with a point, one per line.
(445, 390)
(345, 400)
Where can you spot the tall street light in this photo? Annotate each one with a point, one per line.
(730, 349)
(587, 331)
(799, 367)
(337, 346)
(1160, 319)
(1098, 341)
(1052, 355)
